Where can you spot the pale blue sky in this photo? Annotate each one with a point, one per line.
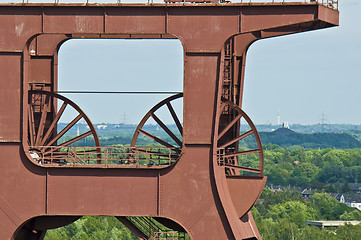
(120, 65)
(302, 75)
(306, 74)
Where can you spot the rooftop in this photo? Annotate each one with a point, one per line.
(349, 197)
(354, 186)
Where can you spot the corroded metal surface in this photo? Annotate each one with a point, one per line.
(196, 193)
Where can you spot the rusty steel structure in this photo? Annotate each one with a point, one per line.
(200, 182)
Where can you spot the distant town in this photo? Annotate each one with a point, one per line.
(315, 136)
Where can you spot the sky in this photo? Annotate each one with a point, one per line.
(301, 76)
(120, 65)
(306, 74)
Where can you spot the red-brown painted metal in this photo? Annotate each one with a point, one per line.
(165, 104)
(196, 192)
(43, 118)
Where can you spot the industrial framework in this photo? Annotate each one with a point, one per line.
(201, 181)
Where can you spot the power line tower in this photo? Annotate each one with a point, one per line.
(124, 118)
(323, 121)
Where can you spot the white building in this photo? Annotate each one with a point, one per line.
(351, 200)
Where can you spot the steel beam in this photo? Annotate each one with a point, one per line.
(194, 192)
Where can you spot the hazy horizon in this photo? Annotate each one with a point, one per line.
(302, 75)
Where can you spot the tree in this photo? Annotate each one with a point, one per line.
(349, 232)
(332, 174)
(307, 170)
(292, 211)
(315, 233)
(304, 173)
(351, 215)
(328, 207)
(337, 157)
(92, 227)
(278, 176)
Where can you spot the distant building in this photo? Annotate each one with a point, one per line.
(351, 200)
(307, 193)
(280, 188)
(284, 130)
(274, 189)
(327, 224)
(103, 127)
(355, 187)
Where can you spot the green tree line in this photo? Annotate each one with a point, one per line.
(282, 215)
(92, 227)
(329, 169)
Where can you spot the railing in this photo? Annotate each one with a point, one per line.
(231, 159)
(328, 3)
(146, 225)
(154, 230)
(119, 157)
(167, 235)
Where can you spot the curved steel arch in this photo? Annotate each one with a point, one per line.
(43, 119)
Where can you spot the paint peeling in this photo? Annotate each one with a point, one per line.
(81, 24)
(19, 29)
